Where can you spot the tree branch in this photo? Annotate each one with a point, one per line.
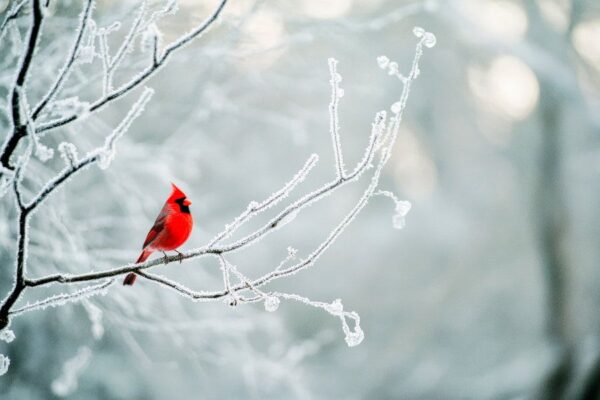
(19, 128)
(64, 73)
(143, 76)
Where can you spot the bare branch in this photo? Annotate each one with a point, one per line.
(103, 155)
(126, 44)
(196, 296)
(255, 208)
(19, 130)
(334, 126)
(64, 73)
(105, 63)
(12, 14)
(63, 298)
(145, 74)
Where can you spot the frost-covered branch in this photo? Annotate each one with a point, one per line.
(110, 66)
(13, 13)
(64, 298)
(255, 208)
(334, 125)
(143, 76)
(237, 286)
(19, 129)
(382, 139)
(66, 69)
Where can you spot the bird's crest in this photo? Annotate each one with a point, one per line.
(176, 193)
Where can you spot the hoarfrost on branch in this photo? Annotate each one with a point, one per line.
(49, 113)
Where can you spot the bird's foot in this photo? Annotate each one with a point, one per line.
(180, 255)
(165, 258)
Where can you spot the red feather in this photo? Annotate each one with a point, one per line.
(171, 229)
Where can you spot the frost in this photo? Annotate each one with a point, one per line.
(418, 31)
(87, 49)
(355, 338)
(391, 66)
(68, 153)
(107, 30)
(401, 207)
(95, 316)
(336, 307)
(43, 152)
(429, 39)
(334, 126)
(69, 106)
(396, 107)
(286, 219)
(107, 152)
(6, 335)
(383, 62)
(271, 303)
(291, 255)
(66, 383)
(4, 364)
(64, 298)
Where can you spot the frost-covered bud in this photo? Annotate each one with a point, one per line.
(336, 307)
(105, 158)
(271, 303)
(232, 302)
(383, 62)
(418, 31)
(402, 208)
(340, 93)
(4, 364)
(396, 107)
(6, 335)
(355, 338)
(43, 152)
(252, 206)
(429, 39)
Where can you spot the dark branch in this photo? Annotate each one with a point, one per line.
(19, 127)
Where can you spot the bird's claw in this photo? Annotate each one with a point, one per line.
(180, 256)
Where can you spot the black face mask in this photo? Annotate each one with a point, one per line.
(182, 207)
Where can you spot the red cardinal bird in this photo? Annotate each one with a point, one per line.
(171, 228)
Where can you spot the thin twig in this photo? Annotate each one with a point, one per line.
(143, 76)
(64, 73)
(19, 130)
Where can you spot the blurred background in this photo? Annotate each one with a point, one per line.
(489, 292)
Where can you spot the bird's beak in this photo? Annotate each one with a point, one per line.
(186, 202)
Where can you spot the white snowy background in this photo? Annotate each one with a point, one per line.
(488, 292)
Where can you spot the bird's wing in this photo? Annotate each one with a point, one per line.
(157, 228)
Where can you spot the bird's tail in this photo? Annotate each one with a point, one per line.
(130, 278)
